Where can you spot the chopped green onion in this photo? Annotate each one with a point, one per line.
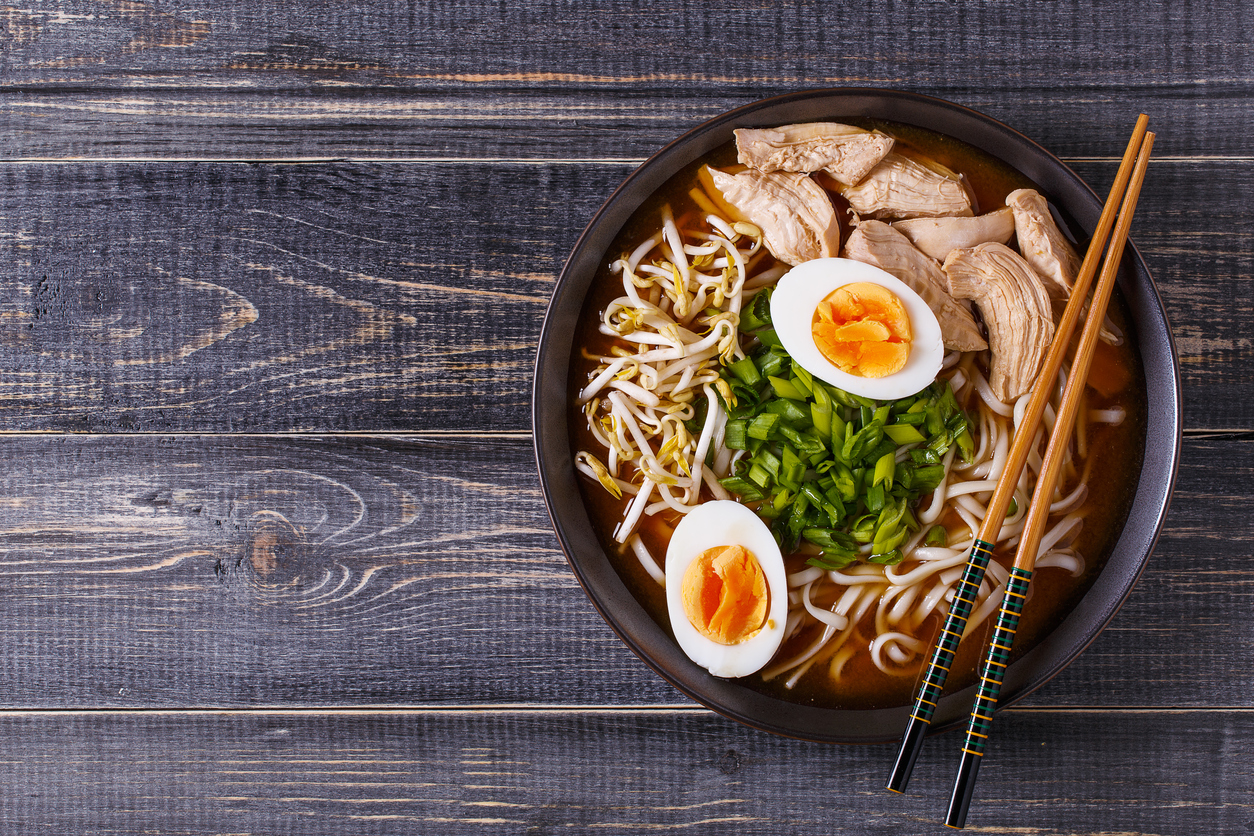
(904, 434)
(884, 467)
(875, 497)
(785, 389)
(788, 410)
(863, 528)
(891, 558)
(759, 475)
(822, 419)
(926, 479)
(768, 460)
(757, 313)
(742, 488)
(746, 371)
(966, 445)
(880, 450)
(763, 425)
(806, 377)
(833, 468)
(832, 563)
(767, 336)
(846, 484)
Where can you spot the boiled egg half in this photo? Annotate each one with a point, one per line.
(726, 590)
(858, 328)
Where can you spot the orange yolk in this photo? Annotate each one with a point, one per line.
(725, 594)
(863, 330)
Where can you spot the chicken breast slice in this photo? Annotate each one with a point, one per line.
(938, 237)
(1016, 311)
(795, 215)
(843, 151)
(900, 187)
(1042, 243)
(877, 243)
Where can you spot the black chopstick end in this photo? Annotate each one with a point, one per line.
(964, 786)
(907, 754)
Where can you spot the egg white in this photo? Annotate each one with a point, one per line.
(798, 294)
(726, 523)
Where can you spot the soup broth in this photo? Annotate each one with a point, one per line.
(1114, 451)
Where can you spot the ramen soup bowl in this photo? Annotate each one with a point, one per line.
(584, 538)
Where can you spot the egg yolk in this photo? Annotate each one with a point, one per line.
(725, 595)
(862, 329)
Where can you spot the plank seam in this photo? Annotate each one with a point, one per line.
(524, 709)
(538, 161)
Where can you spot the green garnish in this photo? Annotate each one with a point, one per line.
(835, 469)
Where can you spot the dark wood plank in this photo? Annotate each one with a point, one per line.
(541, 772)
(618, 119)
(371, 297)
(225, 79)
(417, 576)
(240, 571)
(453, 42)
(279, 297)
(145, 571)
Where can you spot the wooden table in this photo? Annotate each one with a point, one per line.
(275, 558)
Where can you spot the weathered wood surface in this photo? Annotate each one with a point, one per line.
(271, 276)
(592, 771)
(366, 297)
(266, 79)
(531, 117)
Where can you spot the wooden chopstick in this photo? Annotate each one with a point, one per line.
(998, 655)
(964, 597)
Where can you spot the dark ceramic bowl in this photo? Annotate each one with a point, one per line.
(550, 413)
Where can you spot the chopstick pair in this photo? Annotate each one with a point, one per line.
(1122, 202)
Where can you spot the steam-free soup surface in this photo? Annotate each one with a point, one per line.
(1115, 452)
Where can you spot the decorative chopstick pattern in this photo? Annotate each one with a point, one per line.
(996, 660)
(951, 632)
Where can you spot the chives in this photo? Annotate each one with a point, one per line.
(824, 463)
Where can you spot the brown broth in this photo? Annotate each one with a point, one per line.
(1114, 452)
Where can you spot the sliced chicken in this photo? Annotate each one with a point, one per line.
(843, 151)
(900, 187)
(1016, 311)
(795, 215)
(938, 237)
(1042, 243)
(1049, 252)
(877, 243)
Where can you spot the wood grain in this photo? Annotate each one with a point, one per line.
(271, 276)
(456, 44)
(184, 297)
(524, 119)
(268, 80)
(158, 572)
(543, 772)
(278, 297)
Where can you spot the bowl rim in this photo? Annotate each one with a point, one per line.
(593, 568)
